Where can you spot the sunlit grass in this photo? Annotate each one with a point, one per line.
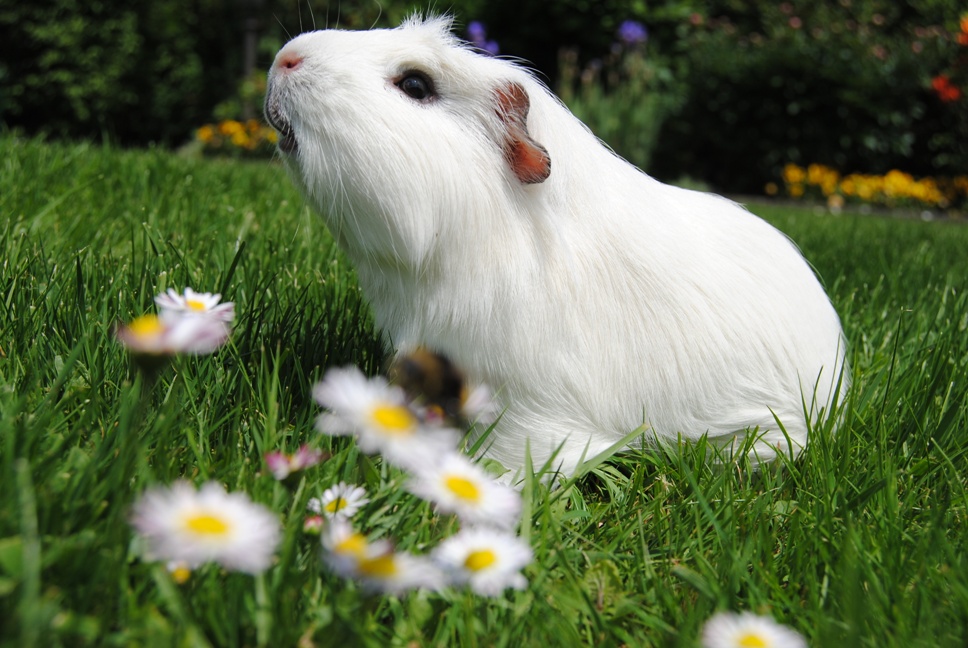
(860, 542)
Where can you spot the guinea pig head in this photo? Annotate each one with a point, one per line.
(404, 139)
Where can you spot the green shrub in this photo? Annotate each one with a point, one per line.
(624, 99)
(844, 84)
(134, 72)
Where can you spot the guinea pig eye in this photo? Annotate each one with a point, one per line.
(416, 85)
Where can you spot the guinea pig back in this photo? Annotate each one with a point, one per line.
(487, 223)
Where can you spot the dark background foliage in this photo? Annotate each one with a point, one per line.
(847, 83)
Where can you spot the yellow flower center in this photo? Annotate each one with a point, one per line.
(463, 488)
(146, 325)
(204, 524)
(379, 567)
(480, 559)
(354, 545)
(394, 419)
(751, 640)
(195, 305)
(337, 504)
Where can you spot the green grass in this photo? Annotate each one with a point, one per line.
(859, 542)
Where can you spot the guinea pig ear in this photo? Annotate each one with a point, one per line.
(528, 160)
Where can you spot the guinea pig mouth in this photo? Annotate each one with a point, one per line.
(287, 138)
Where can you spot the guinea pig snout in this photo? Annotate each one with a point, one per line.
(287, 61)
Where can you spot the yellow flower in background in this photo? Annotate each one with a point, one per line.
(235, 135)
(866, 188)
(816, 174)
(792, 174)
(240, 139)
(230, 127)
(896, 183)
(205, 134)
(894, 188)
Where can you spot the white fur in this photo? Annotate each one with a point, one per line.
(594, 302)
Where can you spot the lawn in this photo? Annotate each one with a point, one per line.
(860, 541)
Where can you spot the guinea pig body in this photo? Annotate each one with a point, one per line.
(486, 222)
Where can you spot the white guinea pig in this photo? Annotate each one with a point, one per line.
(486, 222)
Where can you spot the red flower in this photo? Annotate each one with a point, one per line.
(946, 91)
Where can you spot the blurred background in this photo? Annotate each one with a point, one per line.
(833, 100)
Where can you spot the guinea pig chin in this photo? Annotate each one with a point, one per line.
(275, 116)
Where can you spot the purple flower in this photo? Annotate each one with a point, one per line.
(632, 32)
(491, 47)
(477, 33)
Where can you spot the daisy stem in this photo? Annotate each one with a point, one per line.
(30, 604)
(263, 613)
(170, 595)
(470, 607)
(174, 604)
(295, 521)
(126, 445)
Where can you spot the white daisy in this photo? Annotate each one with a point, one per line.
(458, 486)
(487, 560)
(375, 564)
(377, 413)
(748, 630)
(342, 544)
(157, 336)
(147, 334)
(192, 526)
(194, 303)
(342, 500)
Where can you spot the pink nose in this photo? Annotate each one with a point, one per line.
(289, 61)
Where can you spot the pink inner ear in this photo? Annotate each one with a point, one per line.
(528, 160)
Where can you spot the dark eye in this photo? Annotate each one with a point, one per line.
(416, 86)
